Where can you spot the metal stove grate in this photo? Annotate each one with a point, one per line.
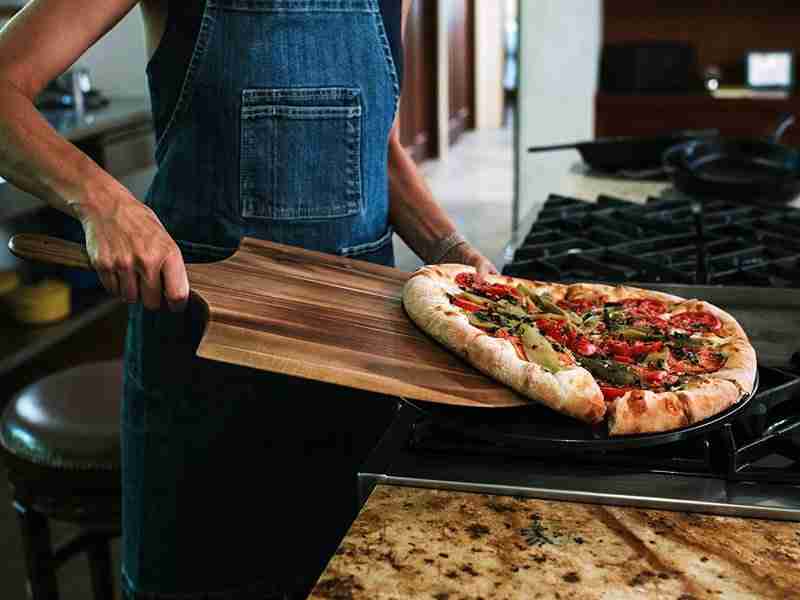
(616, 241)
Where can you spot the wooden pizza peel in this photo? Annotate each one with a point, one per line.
(317, 316)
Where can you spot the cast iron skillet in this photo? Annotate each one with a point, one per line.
(536, 426)
(736, 168)
(628, 153)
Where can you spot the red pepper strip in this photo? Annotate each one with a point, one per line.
(611, 393)
(466, 305)
(637, 348)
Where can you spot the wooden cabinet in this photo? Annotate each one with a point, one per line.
(421, 97)
(721, 32)
(652, 115)
(418, 109)
(461, 76)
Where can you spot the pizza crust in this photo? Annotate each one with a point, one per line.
(643, 411)
(708, 397)
(741, 366)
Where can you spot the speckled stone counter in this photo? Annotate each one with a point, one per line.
(419, 543)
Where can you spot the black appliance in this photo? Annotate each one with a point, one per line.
(648, 67)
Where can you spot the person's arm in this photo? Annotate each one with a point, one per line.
(416, 216)
(132, 253)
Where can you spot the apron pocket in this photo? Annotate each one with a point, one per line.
(300, 153)
(379, 252)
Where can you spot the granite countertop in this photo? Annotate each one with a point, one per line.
(422, 543)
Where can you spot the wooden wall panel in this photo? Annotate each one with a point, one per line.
(721, 30)
(461, 79)
(418, 115)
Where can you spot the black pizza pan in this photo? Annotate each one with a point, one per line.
(537, 426)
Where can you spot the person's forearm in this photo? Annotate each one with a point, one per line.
(413, 211)
(36, 159)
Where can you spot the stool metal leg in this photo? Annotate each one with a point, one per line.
(100, 564)
(39, 560)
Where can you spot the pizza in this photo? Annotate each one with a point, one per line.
(641, 360)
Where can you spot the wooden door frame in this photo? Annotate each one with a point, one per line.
(459, 123)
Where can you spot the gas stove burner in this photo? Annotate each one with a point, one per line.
(662, 241)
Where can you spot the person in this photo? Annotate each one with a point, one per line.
(275, 119)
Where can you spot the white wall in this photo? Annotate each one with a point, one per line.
(116, 62)
(559, 53)
(489, 55)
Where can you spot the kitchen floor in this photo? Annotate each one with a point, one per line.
(475, 187)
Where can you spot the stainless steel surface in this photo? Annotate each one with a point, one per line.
(711, 500)
(393, 463)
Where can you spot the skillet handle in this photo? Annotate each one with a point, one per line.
(555, 147)
(787, 120)
(671, 156)
(47, 249)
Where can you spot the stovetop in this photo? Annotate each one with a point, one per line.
(748, 467)
(615, 240)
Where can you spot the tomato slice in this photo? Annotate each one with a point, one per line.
(645, 306)
(640, 347)
(611, 393)
(648, 322)
(465, 280)
(495, 291)
(654, 377)
(583, 346)
(466, 305)
(554, 329)
(698, 320)
(582, 305)
(618, 348)
(704, 360)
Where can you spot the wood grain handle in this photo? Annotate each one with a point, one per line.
(47, 249)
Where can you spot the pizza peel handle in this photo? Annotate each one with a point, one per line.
(47, 249)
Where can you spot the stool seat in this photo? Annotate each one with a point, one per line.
(59, 440)
(68, 420)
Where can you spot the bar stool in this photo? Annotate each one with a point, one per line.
(59, 438)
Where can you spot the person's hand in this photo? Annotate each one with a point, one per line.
(134, 256)
(466, 254)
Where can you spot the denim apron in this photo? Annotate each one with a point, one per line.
(239, 483)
